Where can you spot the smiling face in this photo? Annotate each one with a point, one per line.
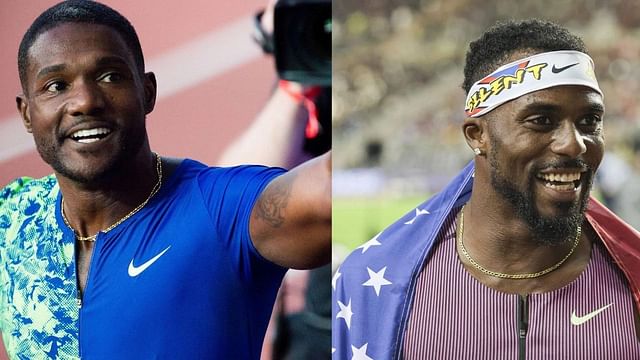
(85, 101)
(543, 150)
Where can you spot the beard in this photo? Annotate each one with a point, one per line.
(127, 148)
(548, 230)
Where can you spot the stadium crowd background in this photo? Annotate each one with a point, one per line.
(398, 101)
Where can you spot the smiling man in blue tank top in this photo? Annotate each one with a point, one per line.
(123, 253)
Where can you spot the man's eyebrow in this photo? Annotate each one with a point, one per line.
(104, 61)
(547, 108)
(596, 107)
(50, 69)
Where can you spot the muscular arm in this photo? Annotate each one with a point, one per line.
(291, 221)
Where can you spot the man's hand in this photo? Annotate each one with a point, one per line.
(267, 17)
(291, 220)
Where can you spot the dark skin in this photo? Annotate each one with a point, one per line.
(84, 77)
(84, 249)
(567, 125)
(563, 122)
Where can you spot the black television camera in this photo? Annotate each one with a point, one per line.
(302, 41)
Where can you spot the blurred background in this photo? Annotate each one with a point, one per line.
(398, 101)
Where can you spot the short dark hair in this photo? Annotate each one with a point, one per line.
(495, 46)
(78, 11)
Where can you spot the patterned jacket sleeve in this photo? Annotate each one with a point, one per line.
(9, 192)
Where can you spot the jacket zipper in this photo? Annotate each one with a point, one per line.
(79, 299)
(523, 324)
(79, 302)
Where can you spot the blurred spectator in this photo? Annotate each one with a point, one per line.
(619, 182)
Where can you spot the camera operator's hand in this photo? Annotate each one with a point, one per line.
(263, 27)
(267, 17)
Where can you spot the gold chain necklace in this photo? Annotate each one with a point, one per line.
(510, 276)
(155, 189)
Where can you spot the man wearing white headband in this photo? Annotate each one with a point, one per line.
(512, 259)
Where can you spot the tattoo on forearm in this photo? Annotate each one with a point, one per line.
(271, 205)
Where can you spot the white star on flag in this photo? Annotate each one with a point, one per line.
(334, 280)
(345, 313)
(370, 243)
(360, 353)
(418, 213)
(377, 280)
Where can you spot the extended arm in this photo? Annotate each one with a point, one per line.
(275, 137)
(291, 221)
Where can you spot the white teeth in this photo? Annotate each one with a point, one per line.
(560, 177)
(563, 187)
(92, 134)
(561, 181)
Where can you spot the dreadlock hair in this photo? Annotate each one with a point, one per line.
(78, 11)
(497, 44)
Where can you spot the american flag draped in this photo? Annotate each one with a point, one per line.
(373, 288)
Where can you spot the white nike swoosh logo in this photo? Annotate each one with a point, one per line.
(579, 320)
(137, 270)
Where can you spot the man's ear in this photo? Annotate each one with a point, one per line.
(150, 92)
(23, 108)
(475, 133)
